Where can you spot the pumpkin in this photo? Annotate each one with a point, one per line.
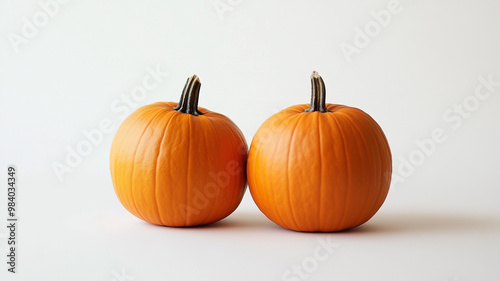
(319, 167)
(175, 164)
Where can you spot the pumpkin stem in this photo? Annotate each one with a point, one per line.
(189, 98)
(318, 94)
(183, 101)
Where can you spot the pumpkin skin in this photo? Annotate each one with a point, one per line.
(319, 167)
(175, 164)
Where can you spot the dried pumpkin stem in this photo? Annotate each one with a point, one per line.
(189, 98)
(183, 101)
(318, 94)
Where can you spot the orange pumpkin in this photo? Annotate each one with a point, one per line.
(319, 167)
(176, 164)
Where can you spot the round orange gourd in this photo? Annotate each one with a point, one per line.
(176, 164)
(319, 167)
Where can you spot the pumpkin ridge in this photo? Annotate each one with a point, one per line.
(155, 119)
(188, 167)
(269, 193)
(320, 171)
(335, 203)
(237, 139)
(274, 121)
(379, 183)
(133, 166)
(379, 176)
(348, 181)
(268, 180)
(384, 184)
(234, 196)
(288, 168)
(380, 136)
(367, 149)
(130, 201)
(165, 129)
(212, 126)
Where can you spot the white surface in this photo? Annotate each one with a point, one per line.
(441, 223)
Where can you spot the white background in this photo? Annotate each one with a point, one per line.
(440, 222)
